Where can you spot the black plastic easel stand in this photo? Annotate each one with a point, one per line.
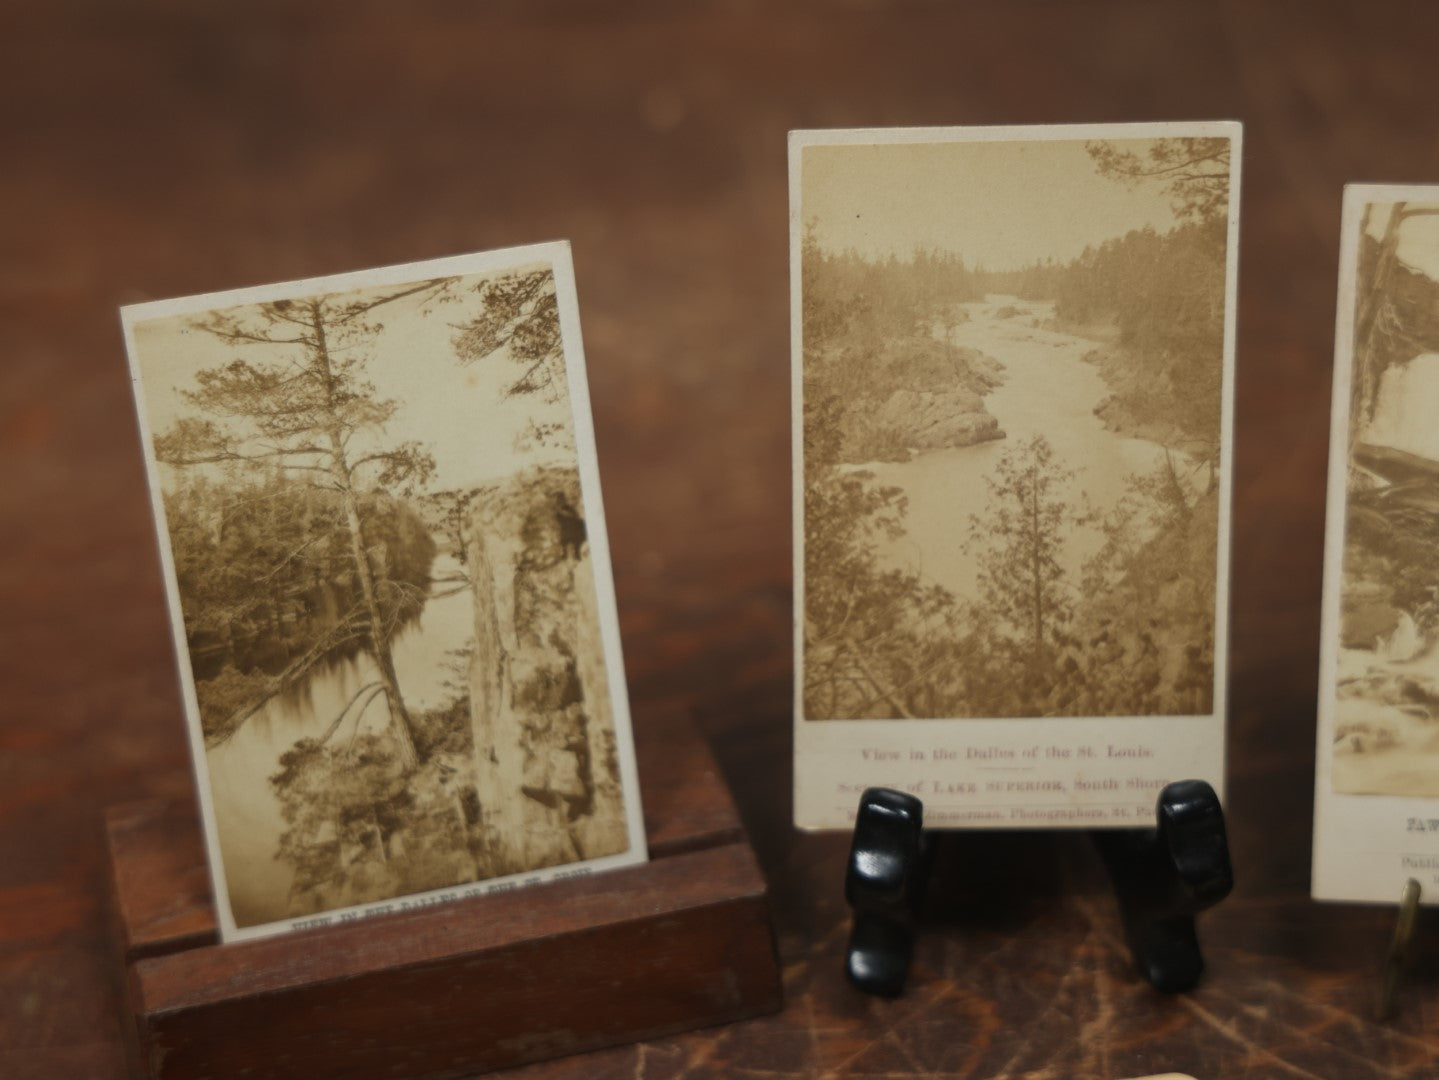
(1167, 875)
(1163, 878)
(888, 870)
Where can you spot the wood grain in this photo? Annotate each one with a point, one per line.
(679, 942)
(158, 148)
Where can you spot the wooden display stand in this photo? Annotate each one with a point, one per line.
(683, 941)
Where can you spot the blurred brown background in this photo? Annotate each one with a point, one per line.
(156, 149)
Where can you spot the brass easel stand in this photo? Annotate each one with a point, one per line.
(1399, 949)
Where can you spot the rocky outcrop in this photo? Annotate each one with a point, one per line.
(925, 395)
(547, 776)
(933, 420)
(1366, 621)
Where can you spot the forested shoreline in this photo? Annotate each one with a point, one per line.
(268, 586)
(875, 350)
(1153, 302)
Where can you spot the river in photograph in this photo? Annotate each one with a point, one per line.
(1049, 389)
(247, 812)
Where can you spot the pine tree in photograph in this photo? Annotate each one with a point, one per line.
(306, 407)
(1020, 539)
(1193, 171)
(520, 318)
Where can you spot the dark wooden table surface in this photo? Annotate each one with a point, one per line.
(157, 149)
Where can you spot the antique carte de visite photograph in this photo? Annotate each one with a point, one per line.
(1013, 366)
(1376, 814)
(379, 512)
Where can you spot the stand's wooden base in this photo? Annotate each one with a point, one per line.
(681, 942)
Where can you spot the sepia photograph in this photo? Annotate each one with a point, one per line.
(1012, 383)
(1012, 375)
(379, 512)
(1384, 629)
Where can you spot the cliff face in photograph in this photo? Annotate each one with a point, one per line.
(547, 775)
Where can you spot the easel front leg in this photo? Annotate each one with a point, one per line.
(884, 883)
(1165, 876)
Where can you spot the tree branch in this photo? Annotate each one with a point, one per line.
(236, 335)
(373, 689)
(354, 311)
(351, 628)
(885, 692)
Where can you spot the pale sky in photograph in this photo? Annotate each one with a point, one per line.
(1418, 236)
(458, 413)
(1000, 205)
